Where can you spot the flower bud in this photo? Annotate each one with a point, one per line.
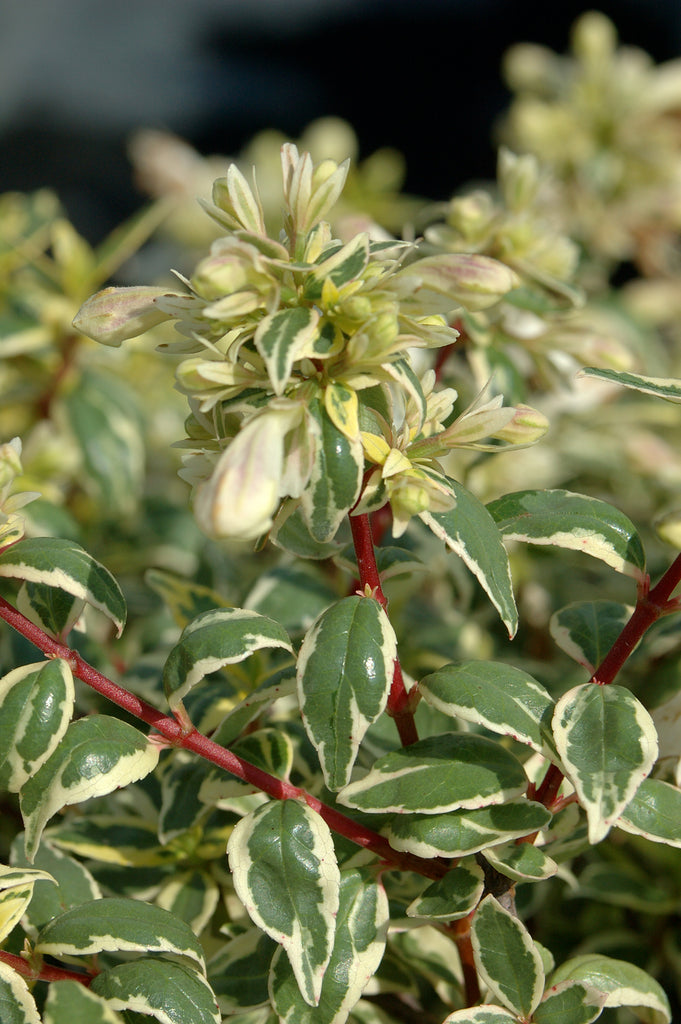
(472, 281)
(526, 426)
(242, 495)
(116, 314)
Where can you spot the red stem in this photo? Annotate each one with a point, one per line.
(650, 606)
(45, 972)
(400, 705)
(173, 732)
(461, 933)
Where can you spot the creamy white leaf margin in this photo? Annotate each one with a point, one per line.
(39, 709)
(16, 999)
(605, 766)
(16, 892)
(496, 935)
(103, 754)
(277, 890)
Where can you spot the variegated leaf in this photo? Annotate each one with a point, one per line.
(64, 564)
(342, 407)
(487, 1014)
(285, 873)
(116, 924)
(36, 705)
(361, 928)
(437, 774)
(506, 958)
(586, 630)
(608, 745)
(621, 984)
(192, 896)
(16, 892)
(402, 373)
(166, 991)
(345, 668)
(569, 1002)
(239, 972)
(17, 1005)
(470, 532)
(183, 598)
(281, 338)
(96, 755)
(69, 1002)
(452, 897)
(522, 862)
(662, 387)
(462, 832)
(342, 265)
(75, 884)
(126, 841)
(504, 699)
(105, 420)
(53, 610)
(336, 478)
(574, 521)
(223, 636)
(654, 812)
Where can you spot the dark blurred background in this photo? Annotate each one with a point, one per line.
(78, 76)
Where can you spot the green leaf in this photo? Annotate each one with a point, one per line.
(462, 832)
(506, 958)
(183, 598)
(470, 532)
(116, 924)
(239, 972)
(569, 1003)
(69, 1002)
(16, 892)
(504, 699)
(361, 928)
(292, 595)
(170, 993)
(522, 863)
(662, 387)
(36, 705)
(17, 1005)
(573, 521)
(223, 636)
(105, 420)
(345, 668)
(608, 745)
(282, 338)
(290, 532)
(654, 812)
(621, 983)
(627, 885)
(586, 630)
(75, 884)
(129, 841)
(440, 773)
(192, 896)
(342, 266)
(53, 610)
(488, 1014)
(452, 897)
(273, 688)
(96, 755)
(285, 873)
(64, 564)
(335, 480)
(181, 807)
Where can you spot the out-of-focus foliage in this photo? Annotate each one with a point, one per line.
(471, 376)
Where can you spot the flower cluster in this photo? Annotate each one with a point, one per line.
(293, 349)
(605, 120)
